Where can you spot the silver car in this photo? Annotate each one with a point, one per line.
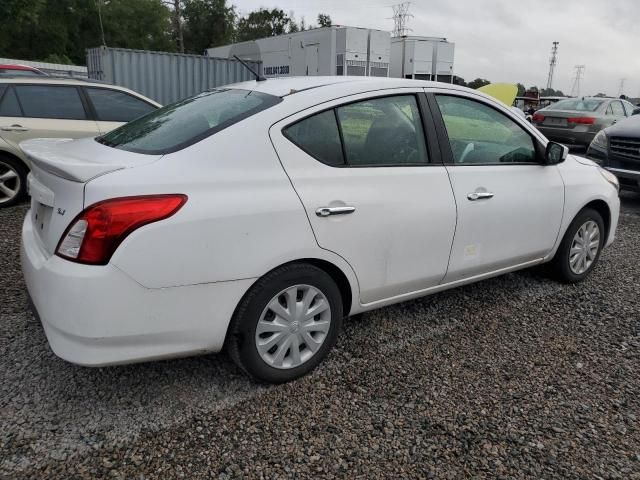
(576, 121)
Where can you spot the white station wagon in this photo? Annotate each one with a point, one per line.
(256, 216)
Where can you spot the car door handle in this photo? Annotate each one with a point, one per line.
(326, 211)
(14, 128)
(479, 196)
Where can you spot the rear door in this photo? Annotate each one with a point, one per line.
(43, 111)
(373, 187)
(509, 204)
(113, 108)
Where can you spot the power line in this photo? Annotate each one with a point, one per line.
(575, 89)
(400, 16)
(552, 63)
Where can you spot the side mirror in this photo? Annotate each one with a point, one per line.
(555, 153)
(635, 111)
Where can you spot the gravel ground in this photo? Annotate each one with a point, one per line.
(515, 377)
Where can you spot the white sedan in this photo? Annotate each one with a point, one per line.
(255, 217)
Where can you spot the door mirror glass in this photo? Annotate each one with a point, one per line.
(555, 153)
(635, 111)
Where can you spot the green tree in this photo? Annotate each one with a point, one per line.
(207, 23)
(324, 20)
(459, 81)
(263, 23)
(521, 89)
(478, 82)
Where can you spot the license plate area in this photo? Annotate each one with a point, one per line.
(557, 122)
(40, 217)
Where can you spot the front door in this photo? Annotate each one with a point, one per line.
(372, 189)
(509, 204)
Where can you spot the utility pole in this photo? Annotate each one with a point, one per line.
(400, 16)
(621, 89)
(552, 63)
(575, 89)
(98, 5)
(177, 22)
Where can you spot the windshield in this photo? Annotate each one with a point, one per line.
(584, 105)
(188, 121)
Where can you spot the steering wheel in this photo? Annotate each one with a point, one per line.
(467, 150)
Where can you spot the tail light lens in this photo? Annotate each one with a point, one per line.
(537, 117)
(95, 234)
(582, 120)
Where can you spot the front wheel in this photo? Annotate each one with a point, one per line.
(580, 249)
(286, 324)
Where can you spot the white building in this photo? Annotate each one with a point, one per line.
(423, 58)
(335, 50)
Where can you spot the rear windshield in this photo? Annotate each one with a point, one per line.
(188, 121)
(576, 104)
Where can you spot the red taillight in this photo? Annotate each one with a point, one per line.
(582, 120)
(95, 234)
(537, 117)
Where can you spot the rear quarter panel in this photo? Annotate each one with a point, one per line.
(242, 218)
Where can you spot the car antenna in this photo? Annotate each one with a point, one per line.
(259, 78)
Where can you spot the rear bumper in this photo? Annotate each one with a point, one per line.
(97, 316)
(567, 136)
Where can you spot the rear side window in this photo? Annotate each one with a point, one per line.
(188, 121)
(318, 135)
(50, 101)
(617, 109)
(385, 131)
(9, 106)
(115, 106)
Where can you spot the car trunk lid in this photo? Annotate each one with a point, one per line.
(60, 169)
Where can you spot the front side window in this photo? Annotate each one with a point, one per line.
(51, 101)
(115, 106)
(478, 134)
(188, 121)
(9, 106)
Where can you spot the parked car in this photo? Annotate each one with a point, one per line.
(42, 106)
(575, 121)
(258, 215)
(617, 149)
(12, 70)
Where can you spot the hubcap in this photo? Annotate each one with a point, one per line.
(584, 247)
(9, 183)
(293, 326)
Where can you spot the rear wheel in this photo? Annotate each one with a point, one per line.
(286, 324)
(13, 181)
(580, 249)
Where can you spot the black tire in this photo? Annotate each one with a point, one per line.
(7, 162)
(240, 341)
(560, 265)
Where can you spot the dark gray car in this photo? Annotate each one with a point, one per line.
(575, 121)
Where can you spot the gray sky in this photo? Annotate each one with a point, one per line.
(509, 40)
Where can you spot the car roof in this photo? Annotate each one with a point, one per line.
(52, 80)
(283, 86)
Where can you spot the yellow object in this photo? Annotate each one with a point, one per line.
(505, 92)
